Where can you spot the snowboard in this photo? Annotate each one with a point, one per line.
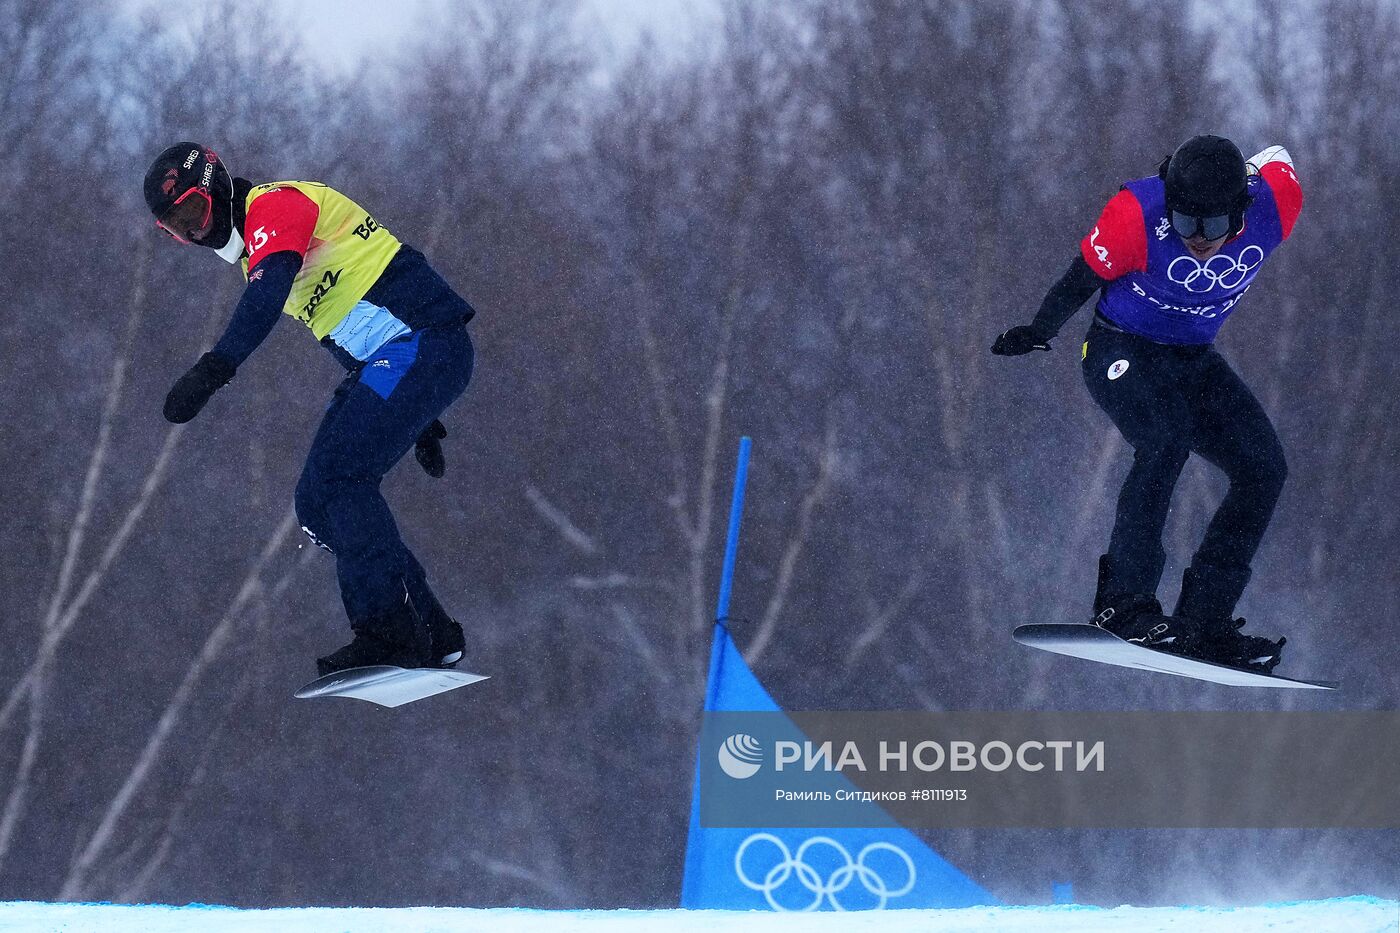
(1097, 644)
(387, 686)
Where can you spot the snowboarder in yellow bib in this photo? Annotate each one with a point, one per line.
(399, 330)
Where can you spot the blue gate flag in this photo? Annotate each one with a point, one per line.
(800, 869)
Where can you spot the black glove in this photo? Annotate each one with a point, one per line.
(194, 388)
(1020, 339)
(428, 450)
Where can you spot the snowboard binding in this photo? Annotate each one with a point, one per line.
(1137, 619)
(1220, 641)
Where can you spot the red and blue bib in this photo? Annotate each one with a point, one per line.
(1155, 287)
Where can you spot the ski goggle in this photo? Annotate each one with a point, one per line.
(188, 215)
(1210, 228)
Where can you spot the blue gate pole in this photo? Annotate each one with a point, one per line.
(691, 881)
(736, 517)
(726, 577)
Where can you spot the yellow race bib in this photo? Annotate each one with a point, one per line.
(347, 253)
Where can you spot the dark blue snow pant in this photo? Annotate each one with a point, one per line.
(373, 420)
(1168, 402)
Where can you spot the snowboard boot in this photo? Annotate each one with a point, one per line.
(397, 638)
(446, 636)
(1205, 608)
(1133, 617)
(447, 639)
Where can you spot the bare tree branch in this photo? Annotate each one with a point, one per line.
(787, 566)
(18, 795)
(878, 619)
(571, 533)
(74, 884)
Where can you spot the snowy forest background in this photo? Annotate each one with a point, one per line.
(807, 228)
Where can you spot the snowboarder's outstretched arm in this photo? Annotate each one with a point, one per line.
(253, 319)
(278, 230)
(1116, 246)
(1065, 297)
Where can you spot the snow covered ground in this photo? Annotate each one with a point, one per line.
(1345, 915)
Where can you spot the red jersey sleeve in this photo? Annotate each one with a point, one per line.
(279, 220)
(1118, 243)
(1288, 192)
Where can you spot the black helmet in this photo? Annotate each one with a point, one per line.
(190, 192)
(1207, 187)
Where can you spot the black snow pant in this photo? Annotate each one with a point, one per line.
(1168, 402)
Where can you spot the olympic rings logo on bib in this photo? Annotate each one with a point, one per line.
(1227, 272)
(794, 867)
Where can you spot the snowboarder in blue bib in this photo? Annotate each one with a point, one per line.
(1171, 256)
